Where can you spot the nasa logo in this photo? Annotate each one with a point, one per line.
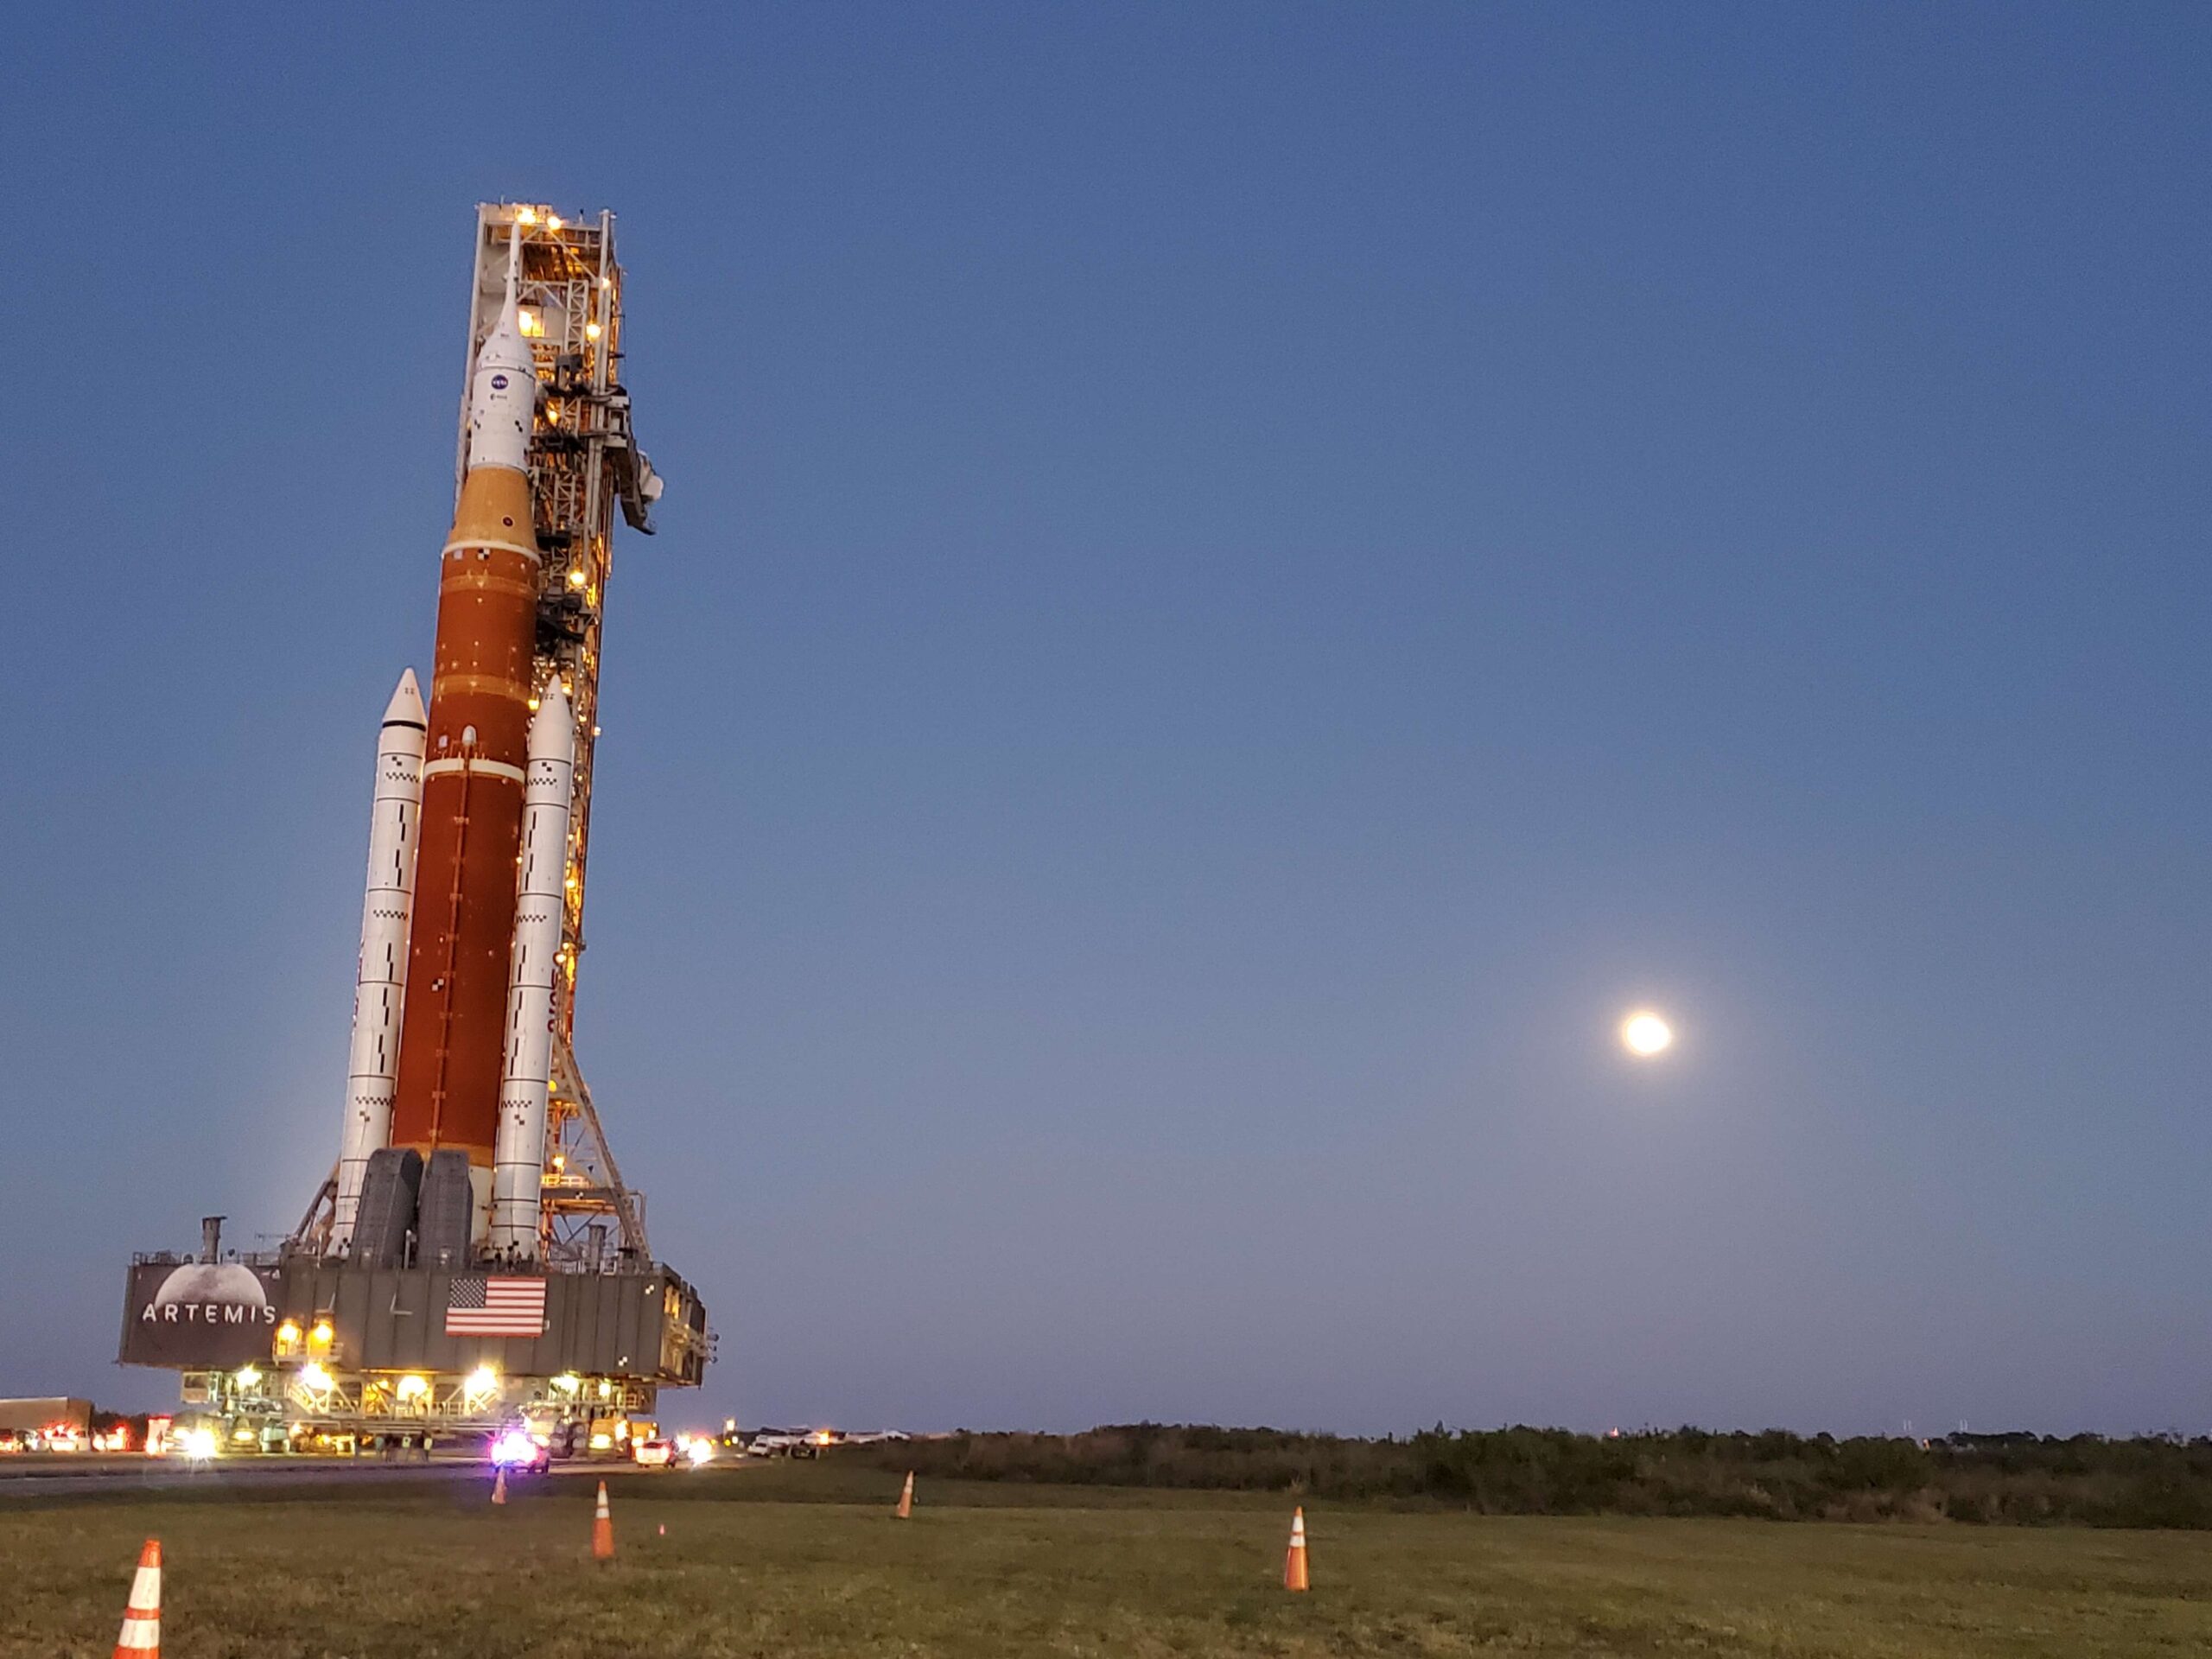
(498, 382)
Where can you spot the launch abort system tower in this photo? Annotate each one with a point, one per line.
(475, 1256)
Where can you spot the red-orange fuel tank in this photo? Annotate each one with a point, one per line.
(453, 1033)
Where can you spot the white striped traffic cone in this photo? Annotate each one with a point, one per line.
(906, 1509)
(602, 1529)
(1294, 1567)
(141, 1619)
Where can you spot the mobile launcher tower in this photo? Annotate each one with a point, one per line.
(474, 1257)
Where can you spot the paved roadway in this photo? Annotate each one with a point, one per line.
(67, 1476)
(71, 1474)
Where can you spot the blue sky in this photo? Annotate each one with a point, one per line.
(1237, 583)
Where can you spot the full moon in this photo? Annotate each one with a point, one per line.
(1644, 1034)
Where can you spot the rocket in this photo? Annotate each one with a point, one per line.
(460, 937)
(436, 1045)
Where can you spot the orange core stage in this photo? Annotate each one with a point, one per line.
(452, 1038)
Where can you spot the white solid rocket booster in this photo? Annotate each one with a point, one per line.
(380, 978)
(519, 1157)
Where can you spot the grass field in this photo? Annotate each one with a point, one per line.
(806, 1561)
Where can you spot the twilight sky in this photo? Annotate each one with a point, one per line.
(1237, 583)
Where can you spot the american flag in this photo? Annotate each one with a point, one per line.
(477, 1306)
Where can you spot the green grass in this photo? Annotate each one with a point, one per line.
(805, 1561)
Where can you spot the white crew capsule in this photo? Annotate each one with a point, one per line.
(503, 390)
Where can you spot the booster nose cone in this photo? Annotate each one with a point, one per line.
(406, 708)
(553, 728)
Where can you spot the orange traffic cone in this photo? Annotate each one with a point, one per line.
(499, 1485)
(1293, 1569)
(906, 1509)
(141, 1619)
(602, 1529)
